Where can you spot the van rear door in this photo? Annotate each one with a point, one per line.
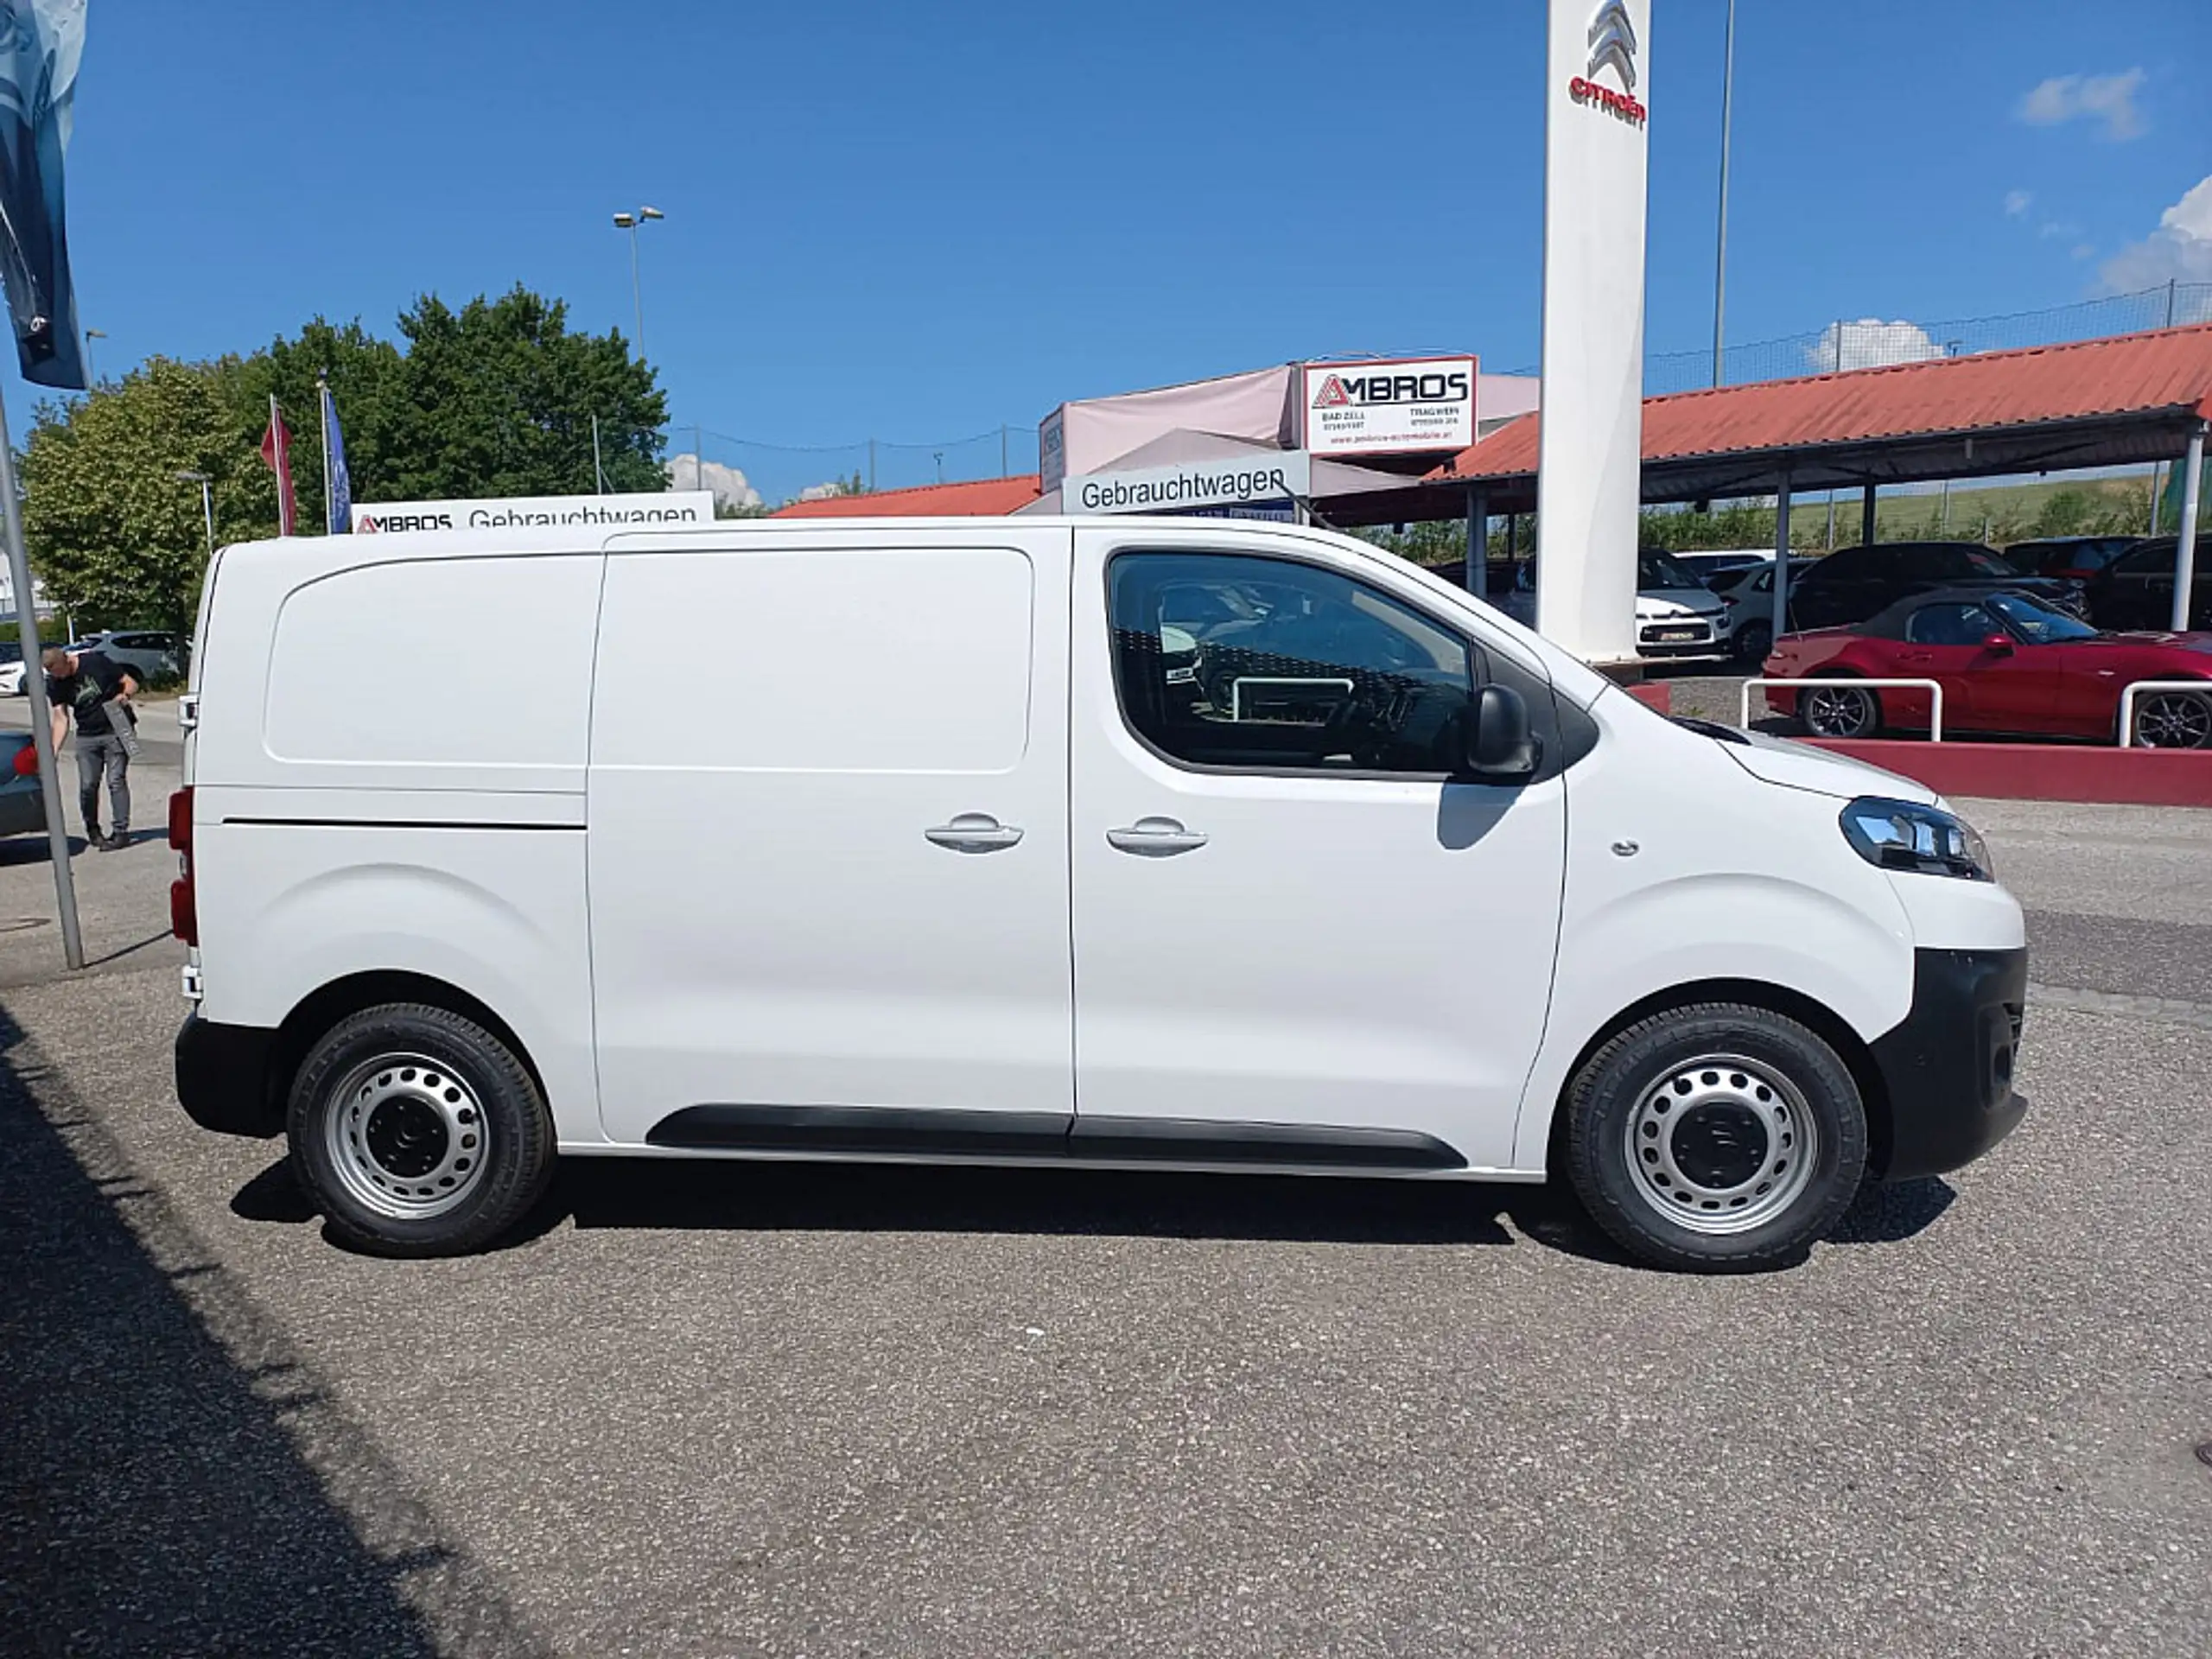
(828, 840)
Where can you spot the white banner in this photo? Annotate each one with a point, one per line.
(1590, 455)
(641, 510)
(1239, 482)
(1390, 407)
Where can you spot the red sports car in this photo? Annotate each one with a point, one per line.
(2007, 663)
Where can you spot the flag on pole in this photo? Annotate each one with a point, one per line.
(40, 45)
(277, 451)
(338, 487)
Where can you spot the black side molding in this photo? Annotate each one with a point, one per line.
(889, 1129)
(1195, 1141)
(864, 1129)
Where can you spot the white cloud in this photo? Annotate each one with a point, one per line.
(824, 491)
(685, 471)
(2016, 203)
(1870, 343)
(2052, 230)
(2180, 250)
(2110, 98)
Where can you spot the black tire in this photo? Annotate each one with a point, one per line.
(1839, 711)
(499, 1131)
(2173, 720)
(1610, 1104)
(1753, 641)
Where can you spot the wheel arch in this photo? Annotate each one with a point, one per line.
(323, 1008)
(1823, 1021)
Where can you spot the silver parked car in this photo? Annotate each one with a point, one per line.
(146, 656)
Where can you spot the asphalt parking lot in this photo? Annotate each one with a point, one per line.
(724, 1410)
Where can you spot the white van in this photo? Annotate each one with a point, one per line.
(1136, 843)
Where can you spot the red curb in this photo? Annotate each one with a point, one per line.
(1653, 695)
(2042, 772)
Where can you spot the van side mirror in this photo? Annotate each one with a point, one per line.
(1997, 644)
(1500, 747)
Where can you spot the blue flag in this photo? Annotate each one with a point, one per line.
(339, 488)
(40, 43)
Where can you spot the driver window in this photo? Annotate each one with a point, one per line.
(1228, 660)
(1950, 624)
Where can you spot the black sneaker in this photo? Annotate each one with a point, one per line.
(116, 843)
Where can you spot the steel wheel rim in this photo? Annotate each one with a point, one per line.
(1832, 711)
(1721, 1144)
(406, 1136)
(2174, 719)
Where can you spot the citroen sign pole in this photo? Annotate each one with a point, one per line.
(1591, 440)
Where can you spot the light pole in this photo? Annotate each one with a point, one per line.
(1720, 247)
(92, 335)
(207, 504)
(630, 222)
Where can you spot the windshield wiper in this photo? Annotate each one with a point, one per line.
(1711, 729)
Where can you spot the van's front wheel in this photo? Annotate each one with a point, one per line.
(1715, 1137)
(417, 1132)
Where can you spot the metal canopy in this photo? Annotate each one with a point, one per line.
(2128, 398)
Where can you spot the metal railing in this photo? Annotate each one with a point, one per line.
(2202, 688)
(1934, 689)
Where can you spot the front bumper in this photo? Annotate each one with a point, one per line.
(1948, 1066)
(223, 1078)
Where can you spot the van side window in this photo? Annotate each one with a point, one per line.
(1259, 664)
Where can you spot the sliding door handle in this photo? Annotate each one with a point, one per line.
(973, 832)
(1155, 838)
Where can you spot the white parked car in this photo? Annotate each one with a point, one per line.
(1748, 596)
(900, 890)
(1676, 614)
(11, 673)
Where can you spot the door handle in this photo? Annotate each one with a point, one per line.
(1155, 838)
(973, 832)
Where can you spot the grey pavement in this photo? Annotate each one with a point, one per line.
(721, 1409)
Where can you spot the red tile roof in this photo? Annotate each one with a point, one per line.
(2168, 370)
(987, 498)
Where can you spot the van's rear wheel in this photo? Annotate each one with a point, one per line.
(419, 1132)
(1715, 1137)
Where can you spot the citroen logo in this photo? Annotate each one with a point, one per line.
(1612, 40)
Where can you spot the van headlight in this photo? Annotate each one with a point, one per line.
(1906, 835)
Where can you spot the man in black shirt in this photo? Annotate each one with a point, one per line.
(88, 684)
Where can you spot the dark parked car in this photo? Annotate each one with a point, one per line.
(1852, 584)
(2137, 589)
(2068, 558)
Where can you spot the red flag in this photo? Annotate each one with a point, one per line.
(277, 451)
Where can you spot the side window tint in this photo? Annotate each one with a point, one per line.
(1311, 671)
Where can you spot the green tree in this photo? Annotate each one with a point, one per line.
(500, 397)
(117, 537)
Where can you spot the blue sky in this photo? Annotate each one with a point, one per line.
(920, 221)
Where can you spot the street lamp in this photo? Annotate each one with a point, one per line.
(92, 335)
(207, 504)
(630, 222)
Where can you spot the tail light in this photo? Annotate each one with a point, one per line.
(26, 761)
(184, 902)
